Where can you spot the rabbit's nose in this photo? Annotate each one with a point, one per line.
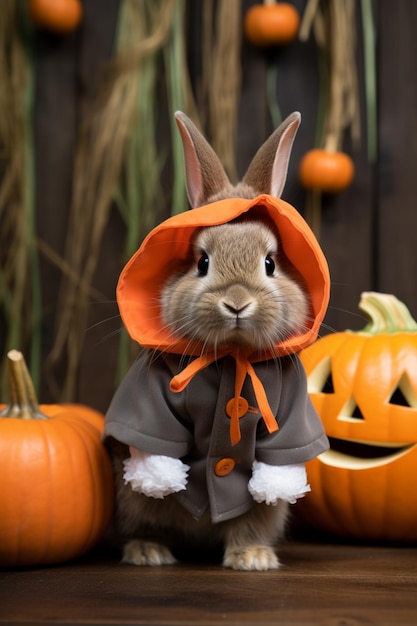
(238, 300)
(236, 310)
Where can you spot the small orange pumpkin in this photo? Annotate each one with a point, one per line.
(56, 479)
(271, 24)
(364, 387)
(325, 170)
(60, 16)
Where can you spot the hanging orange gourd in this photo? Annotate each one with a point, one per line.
(364, 387)
(326, 171)
(56, 484)
(59, 16)
(271, 23)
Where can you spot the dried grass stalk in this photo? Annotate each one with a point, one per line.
(225, 81)
(180, 97)
(19, 280)
(334, 25)
(100, 156)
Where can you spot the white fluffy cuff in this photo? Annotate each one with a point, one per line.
(270, 483)
(155, 476)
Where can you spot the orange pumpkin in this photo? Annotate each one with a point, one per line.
(60, 16)
(327, 171)
(364, 387)
(56, 481)
(271, 23)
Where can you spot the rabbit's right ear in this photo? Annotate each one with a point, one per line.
(205, 175)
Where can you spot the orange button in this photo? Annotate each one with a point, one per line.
(242, 407)
(224, 466)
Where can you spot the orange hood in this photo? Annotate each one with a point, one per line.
(168, 245)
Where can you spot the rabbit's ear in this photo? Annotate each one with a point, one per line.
(205, 175)
(267, 172)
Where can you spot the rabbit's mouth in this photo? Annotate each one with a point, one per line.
(243, 336)
(239, 335)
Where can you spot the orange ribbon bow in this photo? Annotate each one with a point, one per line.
(243, 368)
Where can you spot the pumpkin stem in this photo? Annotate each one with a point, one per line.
(387, 314)
(331, 143)
(23, 400)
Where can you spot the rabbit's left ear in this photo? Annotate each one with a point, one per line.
(267, 171)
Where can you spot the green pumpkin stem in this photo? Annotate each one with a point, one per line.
(23, 401)
(386, 313)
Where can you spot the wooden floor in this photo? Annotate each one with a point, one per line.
(320, 583)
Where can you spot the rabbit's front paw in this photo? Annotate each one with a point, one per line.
(270, 483)
(138, 552)
(250, 558)
(156, 476)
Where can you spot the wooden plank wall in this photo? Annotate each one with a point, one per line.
(395, 250)
(368, 233)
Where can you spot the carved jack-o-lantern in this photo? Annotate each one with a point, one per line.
(364, 387)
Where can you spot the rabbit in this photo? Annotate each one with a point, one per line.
(194, 467)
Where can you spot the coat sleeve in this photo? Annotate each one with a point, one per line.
(301, 435)
(145, 414)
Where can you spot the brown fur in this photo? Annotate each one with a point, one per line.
(154, 528)
(200, 309)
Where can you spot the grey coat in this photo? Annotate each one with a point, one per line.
(193, 425)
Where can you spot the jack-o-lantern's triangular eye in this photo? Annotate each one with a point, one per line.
(320, 380)
(403, 394)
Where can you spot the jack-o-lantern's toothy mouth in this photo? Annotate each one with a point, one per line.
(358, 455)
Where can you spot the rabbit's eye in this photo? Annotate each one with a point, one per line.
(269, 265)
(203, 264)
